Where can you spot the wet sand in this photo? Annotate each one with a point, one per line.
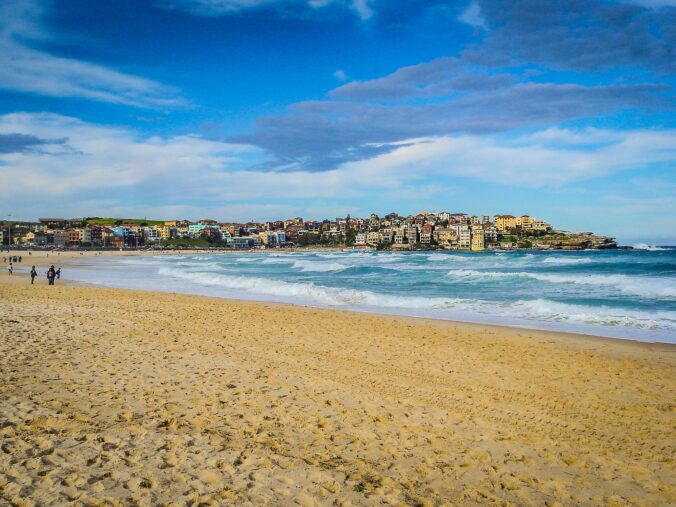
(128, 397)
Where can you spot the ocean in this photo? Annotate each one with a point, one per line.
(616, 293)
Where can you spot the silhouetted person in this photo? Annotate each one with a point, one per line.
(34, 273)
(58, 274)
(51, 274)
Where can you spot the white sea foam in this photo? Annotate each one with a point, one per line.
(649, 287)
(650, 248)
(553, 311)
(542, 310)
(318, 266)
(247, 260)
(277, 259)
(563, 261)
(309, 292)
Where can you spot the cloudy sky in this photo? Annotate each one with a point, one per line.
(261, 109)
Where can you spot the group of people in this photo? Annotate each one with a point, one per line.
(52, 273)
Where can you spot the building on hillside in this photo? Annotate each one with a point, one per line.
(446, 237)
(373, 238)
(464, 236)
(490, 236)
(411, 233)
(386, 235)
(245, 242)
(195, 230)
(525, 222)
(541, 226)
(73, 236)
(360, 239)
(150, 234)
(116, 241)
(505, 223)
(477, 238)
(426, 234)
(61, 239)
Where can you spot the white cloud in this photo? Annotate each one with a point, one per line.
(549, 157)
(103, 170)
(122, 170)
(25, 69)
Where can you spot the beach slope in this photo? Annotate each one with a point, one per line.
(118, 396)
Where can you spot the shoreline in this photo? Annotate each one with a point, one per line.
(72, 258)
(149, 397)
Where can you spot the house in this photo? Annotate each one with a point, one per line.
(490, 235)
(150, 234)
(386, 235)
(373, 238)
(194, 230)
(446, 237)
(73, 236)
(245, 242)
(411, 233)
(116, 241)
(360, 239)
(525, 222)
(541, 226)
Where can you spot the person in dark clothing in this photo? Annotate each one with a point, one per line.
(34, 273)
(51, 274)
(58, 274)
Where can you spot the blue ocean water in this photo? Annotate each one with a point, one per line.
(620, 293)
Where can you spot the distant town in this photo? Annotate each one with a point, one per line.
(424, 231)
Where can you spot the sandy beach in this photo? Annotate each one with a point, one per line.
(127, 397)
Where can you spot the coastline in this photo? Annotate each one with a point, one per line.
(77, 259)
(137, 396)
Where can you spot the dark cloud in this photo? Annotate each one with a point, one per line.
(576, 34)
(318, 135)
(516, 75)
(21, 143)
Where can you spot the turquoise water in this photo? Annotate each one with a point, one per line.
(626, 294)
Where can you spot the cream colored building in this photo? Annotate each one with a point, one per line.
(477, 241)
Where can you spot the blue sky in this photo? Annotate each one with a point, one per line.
(261, 109)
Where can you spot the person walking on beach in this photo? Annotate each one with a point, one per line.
(10, 268)
(51, 274)
(34, 273)
(58, 274)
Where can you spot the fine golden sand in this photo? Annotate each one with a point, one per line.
(129, 397)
